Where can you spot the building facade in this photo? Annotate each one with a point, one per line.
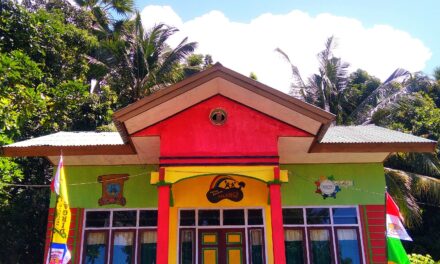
(222, 169)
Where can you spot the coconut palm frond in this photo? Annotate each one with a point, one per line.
(298, 87)
(386, 93)
(422, 187)
(399, 187)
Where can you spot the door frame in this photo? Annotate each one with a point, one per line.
(246, 227)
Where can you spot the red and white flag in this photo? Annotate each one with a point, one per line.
(55, 185)
(395, 228)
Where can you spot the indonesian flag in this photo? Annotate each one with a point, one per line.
(55, 185)
(395, 227)
(58, 250)
(395, 232)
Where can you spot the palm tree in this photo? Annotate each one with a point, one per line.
(326, 88)
(139, 63)
(102, 12)
(415, 175)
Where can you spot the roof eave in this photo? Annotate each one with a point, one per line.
(44, 151)
(215, 71)
(373, 147)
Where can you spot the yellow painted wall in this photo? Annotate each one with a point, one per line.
(191, 193)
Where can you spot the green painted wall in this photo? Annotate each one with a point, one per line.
(85, 190)
(368, 184)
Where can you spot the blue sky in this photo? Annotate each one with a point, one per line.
(412, 21)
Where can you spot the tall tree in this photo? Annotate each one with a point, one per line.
(325, 89)
(141, 63)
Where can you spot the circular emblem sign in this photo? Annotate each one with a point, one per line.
(327, 187)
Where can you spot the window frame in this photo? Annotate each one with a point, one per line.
(332, 226)
(338, 227)
(107, 242)
(305, 240)
(111, 229)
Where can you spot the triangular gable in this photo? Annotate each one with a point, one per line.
(219, 80)
(244, 132)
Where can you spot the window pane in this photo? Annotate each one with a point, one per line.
(124, 218)
(96, 248)
(293, 216)
(233, 217)
(209, 217)
(187, 218)
(320, 246)
(344, 216)
(148, 244)
(255, 217)
(187, 247)
(122, 247)
(257, 246)
(148, 218)
(294, 242)
(348, 246)
(318, 216)
(97, 219)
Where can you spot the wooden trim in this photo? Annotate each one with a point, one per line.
(329, 229)
(215, 71)
(67, 150)
(356, 229)
(372, 147)
(107, 243)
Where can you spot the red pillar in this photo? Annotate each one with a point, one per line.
(163, 219)
(279, 254)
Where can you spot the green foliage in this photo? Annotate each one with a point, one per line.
(44, 88)
(421, 259)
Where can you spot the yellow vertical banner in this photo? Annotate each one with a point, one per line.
(58, 251)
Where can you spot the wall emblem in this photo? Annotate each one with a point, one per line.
(225, 187)
(112, 189)
(327, 187)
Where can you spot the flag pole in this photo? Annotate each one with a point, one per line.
(386, 227)
(54, 218)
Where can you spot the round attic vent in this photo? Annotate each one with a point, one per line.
(218, 116)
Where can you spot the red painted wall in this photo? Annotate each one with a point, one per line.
(191, 133)
(373, 218)
(75, 233)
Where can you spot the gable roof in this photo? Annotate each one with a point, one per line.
(121, 116)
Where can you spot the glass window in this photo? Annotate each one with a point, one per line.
(124, 218)
(348, 246)
(255, 217)
(320, 246)
(344, 216)
(318, 216)
(233, 217)
(96, 248)
(122, 247)
(209, 217)
(187, 218)
(147, 246)
(187, 247)
(257, 246)
(148, 218)
(293, 216)
(98, 219)
(295, 246)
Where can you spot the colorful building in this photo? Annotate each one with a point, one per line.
(220, 168)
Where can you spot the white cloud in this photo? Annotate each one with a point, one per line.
(249, 47)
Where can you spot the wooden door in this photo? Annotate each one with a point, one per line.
(222, 246)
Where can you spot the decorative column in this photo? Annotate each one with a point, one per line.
(163, 218)
(277, 219)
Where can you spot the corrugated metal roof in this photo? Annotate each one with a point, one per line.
(73, 139)
(369, 134)
(335, 134)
